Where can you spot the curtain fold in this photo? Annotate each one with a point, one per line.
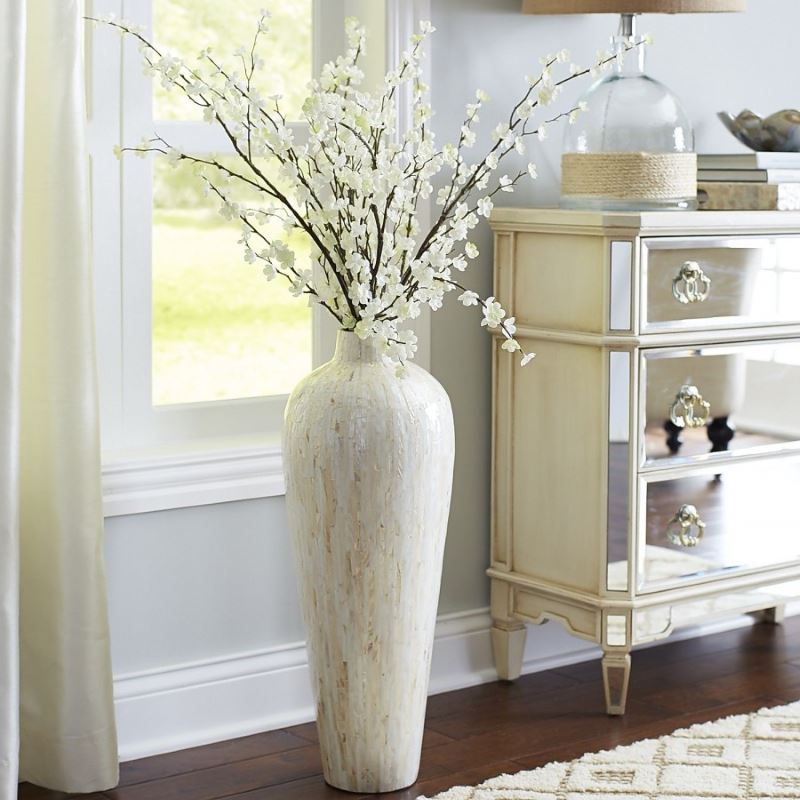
(12, 34)
(57, 723)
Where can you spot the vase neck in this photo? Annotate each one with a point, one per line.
(349, 348)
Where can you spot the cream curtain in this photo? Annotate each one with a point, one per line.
(56, 709)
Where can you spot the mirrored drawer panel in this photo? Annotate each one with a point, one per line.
(746, 517)
(700, 282)
(719, 398)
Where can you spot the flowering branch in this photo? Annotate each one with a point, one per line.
(354, 186)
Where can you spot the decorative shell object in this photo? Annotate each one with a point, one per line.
(779, 132)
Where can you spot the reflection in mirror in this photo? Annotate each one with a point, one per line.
(619, 392)
(704, 283)
(699, 524)
(719, 399)
(621, 280)
(746, 278)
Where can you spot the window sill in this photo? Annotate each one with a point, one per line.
(158, 483)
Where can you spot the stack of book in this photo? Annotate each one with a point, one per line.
(749, 181)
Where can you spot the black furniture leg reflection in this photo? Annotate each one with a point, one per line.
(673, 436)
(720, 434)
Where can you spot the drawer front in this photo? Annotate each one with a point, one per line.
(702, 282)
(701, 525)
(735, 398)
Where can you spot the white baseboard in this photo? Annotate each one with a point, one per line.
(210, 701)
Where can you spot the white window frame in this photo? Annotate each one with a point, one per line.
(176, 456)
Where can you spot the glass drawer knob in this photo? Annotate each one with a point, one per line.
(686, 528)
(689, 409)
(691, 285)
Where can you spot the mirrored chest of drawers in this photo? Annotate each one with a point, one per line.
(646, 465)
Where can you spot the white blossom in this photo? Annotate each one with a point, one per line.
(493, 313)
(500, 131)
(485, 206)
(353, 187)
(547, 94)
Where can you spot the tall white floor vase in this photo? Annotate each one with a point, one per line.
(369, 469)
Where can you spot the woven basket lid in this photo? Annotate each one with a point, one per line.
(630, 6)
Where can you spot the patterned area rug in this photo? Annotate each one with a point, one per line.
(748, 756)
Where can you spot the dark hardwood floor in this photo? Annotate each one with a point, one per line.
(477, 733)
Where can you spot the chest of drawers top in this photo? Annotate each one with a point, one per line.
(646, 223)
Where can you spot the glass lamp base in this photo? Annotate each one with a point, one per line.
(598, 203)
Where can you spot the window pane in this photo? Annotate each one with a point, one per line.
(186, 27)
(220, 329)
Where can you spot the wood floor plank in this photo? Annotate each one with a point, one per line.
(430, 738)
(307, 731)
(483, 717)
(317, 788)
(303, 789)
(527, 686)
(228, 779)
(432, 786)
(27, 791)
(713, 694)
(615, 737)
(164, 766)
(540, 729)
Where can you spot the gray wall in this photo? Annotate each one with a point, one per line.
(198, 583)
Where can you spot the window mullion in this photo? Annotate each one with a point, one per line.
(137, 214)
(103, 76)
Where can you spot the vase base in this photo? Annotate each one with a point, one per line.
(369, 787)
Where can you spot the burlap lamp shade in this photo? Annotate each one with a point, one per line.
(630, 6)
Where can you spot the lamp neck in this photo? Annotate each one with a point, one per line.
(631, 63)
(627, 25)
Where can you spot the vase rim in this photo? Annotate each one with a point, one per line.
(350, 347)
